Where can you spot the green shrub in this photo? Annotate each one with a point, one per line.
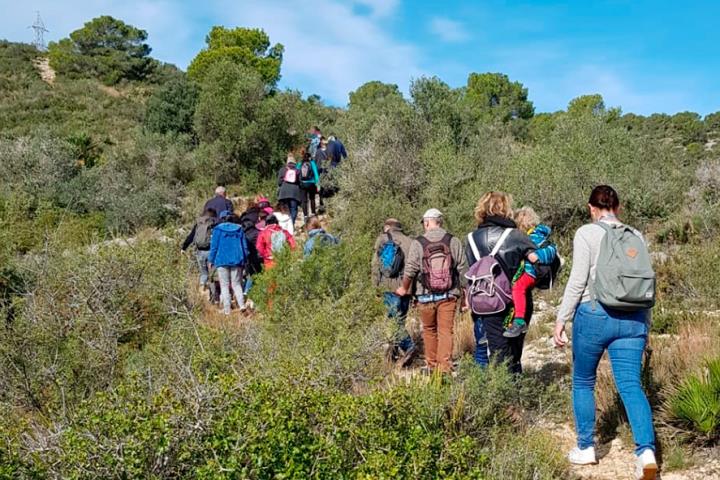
(172, 107)
(105, 48)
(87, 309)
(696, 403)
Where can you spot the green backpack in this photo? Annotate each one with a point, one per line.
(624, 277)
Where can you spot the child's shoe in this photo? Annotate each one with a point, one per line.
(519, 326)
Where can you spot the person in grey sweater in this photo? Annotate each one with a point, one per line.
(596, 329)
(437, 308)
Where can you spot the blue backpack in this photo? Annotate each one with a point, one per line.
(392, 258)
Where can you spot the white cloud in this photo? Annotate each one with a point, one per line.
(330, 48)
(449, 31)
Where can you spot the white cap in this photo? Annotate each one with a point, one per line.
(432, 213)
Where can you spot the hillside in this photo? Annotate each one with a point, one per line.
(112, 365)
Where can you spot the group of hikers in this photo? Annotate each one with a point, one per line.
(234, 248)
(299, 181)
(492, 273)
(609, 296)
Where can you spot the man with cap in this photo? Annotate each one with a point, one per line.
(392, 246)
(219, 202)
(436, 258)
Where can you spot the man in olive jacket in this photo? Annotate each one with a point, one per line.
(397, 306)
(437, 308)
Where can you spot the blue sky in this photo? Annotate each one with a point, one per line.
(644, 56)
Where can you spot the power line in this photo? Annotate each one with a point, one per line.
(40, 30)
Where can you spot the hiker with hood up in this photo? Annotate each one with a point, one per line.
(289, 187)
(252, 213)
(200, 236)
(435, 259)
(229, 254)
(272, 240)
(392, 246)
(317, 236)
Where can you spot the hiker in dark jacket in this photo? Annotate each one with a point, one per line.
(336, 151)
(289, 185)
(200, 236)
(494, 214)
(219, 202)
(397, 307)
(253, 265)
(229, 253)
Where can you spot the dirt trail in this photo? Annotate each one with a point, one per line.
(46, 71)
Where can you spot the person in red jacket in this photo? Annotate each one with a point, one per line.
(273, 239)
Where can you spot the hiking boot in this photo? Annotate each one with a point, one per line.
(390, 352)
(646, 466)
(407, 357)
(585, 456)
(515, 330)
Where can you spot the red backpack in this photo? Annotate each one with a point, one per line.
(437, 264)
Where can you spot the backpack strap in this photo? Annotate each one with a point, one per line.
(473, 246)
(447, 239)
(500, 241)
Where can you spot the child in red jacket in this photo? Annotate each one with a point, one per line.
(273, 239)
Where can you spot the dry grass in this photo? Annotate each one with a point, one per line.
(674, 357)
(464, 335)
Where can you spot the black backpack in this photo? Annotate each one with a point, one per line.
(306, 172)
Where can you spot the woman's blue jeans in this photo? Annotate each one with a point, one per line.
(481, 354)
(624, 336)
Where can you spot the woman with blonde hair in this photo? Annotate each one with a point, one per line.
(496, 226)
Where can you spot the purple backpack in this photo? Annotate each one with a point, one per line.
(489, 290)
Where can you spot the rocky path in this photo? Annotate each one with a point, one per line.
(46, 71)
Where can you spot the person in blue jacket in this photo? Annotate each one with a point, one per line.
(309, 184)
(229, 253)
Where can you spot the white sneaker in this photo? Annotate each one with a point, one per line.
(646, 466)
(585, 456)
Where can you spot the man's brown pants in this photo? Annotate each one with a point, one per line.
(438, 319)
